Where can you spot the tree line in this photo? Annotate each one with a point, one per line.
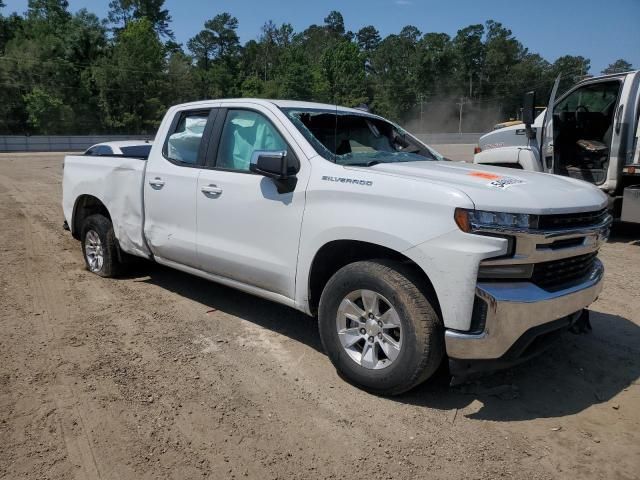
(75, 73)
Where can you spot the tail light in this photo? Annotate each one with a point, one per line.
(477, 150)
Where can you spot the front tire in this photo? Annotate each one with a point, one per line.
(378, 327)
(100, 246)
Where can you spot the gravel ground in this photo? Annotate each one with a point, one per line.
(163, 375)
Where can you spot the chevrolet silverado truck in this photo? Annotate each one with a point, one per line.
(591, 132)
(405, 259)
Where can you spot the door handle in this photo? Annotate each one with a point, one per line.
(212, 190)
(157, 183)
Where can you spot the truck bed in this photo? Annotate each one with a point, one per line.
(117, 182)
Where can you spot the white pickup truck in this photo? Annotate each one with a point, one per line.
(405, 258)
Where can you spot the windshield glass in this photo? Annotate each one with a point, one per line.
(357, 139)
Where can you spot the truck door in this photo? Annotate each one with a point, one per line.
(584, 129)
(170, 187)
(247, 230)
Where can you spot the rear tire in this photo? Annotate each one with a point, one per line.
(378, 327)
(100, 247)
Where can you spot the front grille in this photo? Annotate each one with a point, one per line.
(557, 273)
(571, 220)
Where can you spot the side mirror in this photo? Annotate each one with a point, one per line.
(529, 113)
(529, 108)
(271, 164)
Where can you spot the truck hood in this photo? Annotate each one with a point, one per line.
(504, 189)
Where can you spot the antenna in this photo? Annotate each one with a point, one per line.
(335, 132)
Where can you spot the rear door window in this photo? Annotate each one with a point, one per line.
(184, 143)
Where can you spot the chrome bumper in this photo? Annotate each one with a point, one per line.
(514, 308)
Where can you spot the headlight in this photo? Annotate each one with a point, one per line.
(472, 220)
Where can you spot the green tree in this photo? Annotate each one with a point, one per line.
(394, 82)
(218, 40)
(532, 72)
(252, 86)
(410, 33)
(618, 66)
(343, 72)
(47, 63)
(368, 38)
(47, 114)
(9, 27)
(216, 49)
(470, 54)
(571, 69)
(334, 23)
(273, 42)
(435, 63)
(130, 80)
(62, 72)
(203, 47)
(179, 84)
(121, 12)
(50, 11)
(295, 76)
(502, 52)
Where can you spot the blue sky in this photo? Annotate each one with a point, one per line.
(599, 30)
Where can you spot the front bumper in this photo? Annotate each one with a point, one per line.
(517, 307)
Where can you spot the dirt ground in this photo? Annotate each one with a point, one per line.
(163, 375)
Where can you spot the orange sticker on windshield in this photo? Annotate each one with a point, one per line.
(485, 175)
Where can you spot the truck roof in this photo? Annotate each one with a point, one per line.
(609, 75)
(281, 104)
(124, 143)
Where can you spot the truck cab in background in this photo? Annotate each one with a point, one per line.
(590, 133)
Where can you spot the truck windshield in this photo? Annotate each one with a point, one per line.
(350, 138)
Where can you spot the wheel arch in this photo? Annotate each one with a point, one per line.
(335, 254)
(84, 206)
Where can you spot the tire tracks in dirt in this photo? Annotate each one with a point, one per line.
(48, 291)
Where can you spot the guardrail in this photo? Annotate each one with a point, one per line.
(78, 143)
(449, 138)
(59, 143)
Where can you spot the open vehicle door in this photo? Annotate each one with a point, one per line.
(546, 142)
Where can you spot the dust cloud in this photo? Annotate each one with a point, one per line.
(443, 116)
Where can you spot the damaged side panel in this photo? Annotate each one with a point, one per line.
(117, 183)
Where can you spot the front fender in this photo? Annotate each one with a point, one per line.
(309, 247)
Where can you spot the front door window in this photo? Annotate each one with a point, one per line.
(243, 133)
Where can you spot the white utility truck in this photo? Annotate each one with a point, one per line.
(404, 257)
(591, 133)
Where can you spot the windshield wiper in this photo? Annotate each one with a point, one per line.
(371, 163)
